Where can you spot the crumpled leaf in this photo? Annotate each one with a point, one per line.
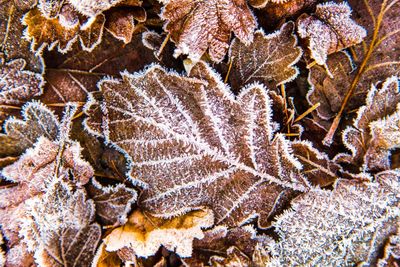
(50, 33)
(60, 228)
(269, 59)
(144, 234)
(12, 43)
(198, 26)
(329, 30)
(391, 251)
(21, 134)
(17, 85)
(343, 227)
(263, 3)
(113, 203)
(192, 144)
(375, 131)
(221, 244)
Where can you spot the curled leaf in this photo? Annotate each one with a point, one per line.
(375, 131)
(198, 26)
(144, 234)
(330, 30)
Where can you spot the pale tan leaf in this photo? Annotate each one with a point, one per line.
(375, 131)
(330, 30)
(92, 8)
(343, 227)
(198, 26)
(192, 144)
(144, 233)
(270, 59)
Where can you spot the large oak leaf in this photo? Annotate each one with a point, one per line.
(192, 144)
(198, 26)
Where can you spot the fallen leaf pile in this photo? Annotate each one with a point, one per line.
(199, 133)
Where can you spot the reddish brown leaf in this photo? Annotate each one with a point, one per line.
(198, 26)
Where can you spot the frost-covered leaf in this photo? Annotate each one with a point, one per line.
(113, 203)
(269, 59)
(50, 33)
(263, 3)
(318, 168)
(2, 254)
(92, 8)
(12, 43)
(193, 144)
(103, 258)
(60, 229)
(375, 131)
(218, 243)
(21, 134)
(343, 227)
(144, 234)
(391, 251)
(198, 26)
(17, 85)
(330, 30)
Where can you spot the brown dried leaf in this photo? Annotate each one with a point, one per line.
(263, 3)
(343, 227)
(318, 168)
(193, 144)
(22, 134)
(103, 258)
(121, 22)
(391, 251)
(269, 59)
(198, 26)
(113, 203)
(92, 8)
(329, 30)
(50, 33)
(144, 234)
(375, 131)
(17, 85)
(72, 76)
(12, 43)
(60, 229)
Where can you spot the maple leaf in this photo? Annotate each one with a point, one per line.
(17, 85)
(22, 134)
(12, 43)
(269, 59)
(343, 227)
(50, 33)
(329, 30)
(60, 228)
(113, 203)
(198, 26)
(375, 131)
(144, 234)
(224, 155)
